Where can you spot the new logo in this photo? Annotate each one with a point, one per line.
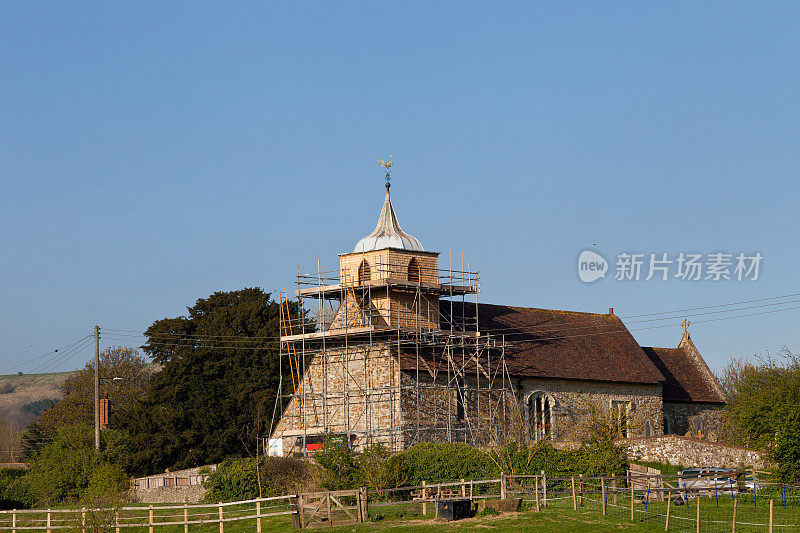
(591, 266)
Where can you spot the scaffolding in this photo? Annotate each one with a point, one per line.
(391, 355)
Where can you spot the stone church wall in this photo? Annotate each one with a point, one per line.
(573, 398)
(693, 419)
(432, 411)
(353, 390)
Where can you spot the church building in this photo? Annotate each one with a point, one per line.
(393, 347)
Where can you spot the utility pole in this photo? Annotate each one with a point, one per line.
(97, 388)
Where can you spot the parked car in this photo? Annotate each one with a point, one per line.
(702, 480)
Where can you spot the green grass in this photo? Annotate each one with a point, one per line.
(558, 517)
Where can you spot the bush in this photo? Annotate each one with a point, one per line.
(69, 469)
(237, 479)
(14, 490)
(442, 462)
(338, 462)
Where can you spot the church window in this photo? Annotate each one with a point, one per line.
(620, 412)
(364, 273)
(540, 415)
(667, 426)
(413, 270)
(648, 429)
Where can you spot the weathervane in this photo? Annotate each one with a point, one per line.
(685, 325)
(387, 165)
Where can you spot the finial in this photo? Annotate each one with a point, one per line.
(387, 165)
(685, 324)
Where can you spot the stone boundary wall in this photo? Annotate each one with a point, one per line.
(678, 450)
(180, 486)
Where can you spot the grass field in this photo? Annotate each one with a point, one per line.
(562, 514)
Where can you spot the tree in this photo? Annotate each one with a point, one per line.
(218, 384)
(762, 408)
(77, 404)
(69, 469)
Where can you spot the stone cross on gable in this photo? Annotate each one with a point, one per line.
(685, 325)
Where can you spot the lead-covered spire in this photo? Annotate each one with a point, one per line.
(387, 233)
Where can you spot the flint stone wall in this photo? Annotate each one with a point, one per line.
(685, 451)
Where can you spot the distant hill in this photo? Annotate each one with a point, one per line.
(23, 396)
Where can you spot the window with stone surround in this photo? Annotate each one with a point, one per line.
(540, 415)
(648, 429)
(620, 413)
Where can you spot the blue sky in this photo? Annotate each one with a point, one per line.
(153, 153)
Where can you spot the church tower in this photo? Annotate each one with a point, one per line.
(375, 329)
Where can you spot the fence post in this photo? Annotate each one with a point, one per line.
(48, 522)
(536, 491)
(221, 523)
(502, 486)
(614, 487)
(669, 502)
(150, 519)
(297, 519)
(463, 489)
(698, 513)
(471, 489)
(630, 480)
(365, 504)
(424, 497)
(574, 500)
(603, 491)
(258, 517)
(544, 490)
(733, 522)
(116, 521)
(770, 515)
(581, 487)
(436, 502)
(83, 520)
(185, 519)
(14, 520)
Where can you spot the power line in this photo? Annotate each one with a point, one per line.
(51, 352)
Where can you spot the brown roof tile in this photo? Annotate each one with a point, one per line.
(561, 344)
(685, 380)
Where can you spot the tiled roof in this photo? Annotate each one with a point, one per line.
(685, 381)
(545, 343)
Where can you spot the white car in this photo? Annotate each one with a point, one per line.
(703, 480)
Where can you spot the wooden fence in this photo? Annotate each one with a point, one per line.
(644, 497)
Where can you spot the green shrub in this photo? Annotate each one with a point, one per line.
(237, 479)
(338, 462)
(442, 462)
(67, 468)
(379, 468)
(14, 490)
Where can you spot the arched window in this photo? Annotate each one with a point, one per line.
(413, 270)
(364, 273)
(648, 429)
(620, 411)
(540, 415)
(667, 426)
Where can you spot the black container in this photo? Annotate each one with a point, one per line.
(454, 509)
